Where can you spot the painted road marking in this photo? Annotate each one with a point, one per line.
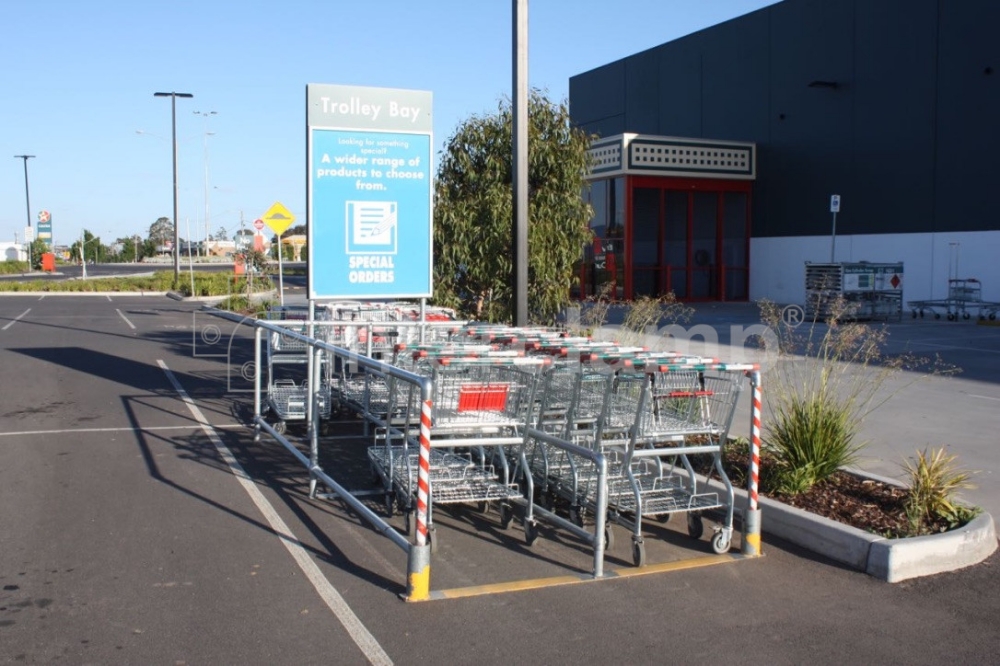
(122, 315)
(554, 581)
(357, 631)
(74, 431)
(109, 298)
(984, 397)
(956, 347)
(16, 319)
(42, 297)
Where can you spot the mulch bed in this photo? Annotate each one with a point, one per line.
(869, 505)
(863, 503)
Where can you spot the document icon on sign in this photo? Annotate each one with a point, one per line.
(372, 227)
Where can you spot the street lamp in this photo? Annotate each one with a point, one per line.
(206, 115)
(27, 200)
(173, 126)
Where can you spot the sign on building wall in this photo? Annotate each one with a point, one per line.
(369, 192)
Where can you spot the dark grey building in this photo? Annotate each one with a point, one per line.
(892, 104)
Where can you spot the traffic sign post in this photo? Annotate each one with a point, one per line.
(278, 218)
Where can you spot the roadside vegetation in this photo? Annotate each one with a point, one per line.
(204, 284)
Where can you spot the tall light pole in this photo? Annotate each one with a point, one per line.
(520, 161)
(173, 127)
(27, 200)
(207, 115)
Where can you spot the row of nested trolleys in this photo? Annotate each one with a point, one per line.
(650, 414)
(350, 324)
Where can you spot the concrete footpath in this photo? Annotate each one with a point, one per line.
(958, 411)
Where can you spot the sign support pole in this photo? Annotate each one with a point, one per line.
(833, 239)
(834, 208)
(281, 278)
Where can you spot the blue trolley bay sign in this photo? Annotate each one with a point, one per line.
(369, 192)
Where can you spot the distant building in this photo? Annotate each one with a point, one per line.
(13, 251)
(720, 150)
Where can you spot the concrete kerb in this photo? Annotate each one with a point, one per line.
(83, 293)
(891, 560)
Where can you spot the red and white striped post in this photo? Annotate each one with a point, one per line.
(751, 518)
(419, 564)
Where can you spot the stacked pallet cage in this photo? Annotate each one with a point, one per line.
(854, 291)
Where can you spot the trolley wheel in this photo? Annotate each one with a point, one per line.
(432, 539)
(530, 532)
(663, 518)
(993, 316)
(483, 507)
(638, 553)
(280, 427)
(609, 538)
(696, 526)
(937, 315)
(952, 316)
(921, 314)
(720, 544)
(390, 504)
(914, 314)
(411, 522)
(576, 516)
(965, 315)
(506, 515)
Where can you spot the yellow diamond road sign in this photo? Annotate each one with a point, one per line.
(278, 218)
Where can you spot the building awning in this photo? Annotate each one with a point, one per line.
(651, 155)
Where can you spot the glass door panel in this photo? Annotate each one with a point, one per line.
(704, 222)
(645, 241)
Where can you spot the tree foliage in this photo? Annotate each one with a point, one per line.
(473, 212)
(162, 231)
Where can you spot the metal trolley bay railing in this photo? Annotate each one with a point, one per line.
(532, 423)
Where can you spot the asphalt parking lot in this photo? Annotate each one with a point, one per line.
(142, 524)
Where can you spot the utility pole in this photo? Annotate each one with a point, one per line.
(173, 127)
(520, 162)
(206, 115)
(27, 201)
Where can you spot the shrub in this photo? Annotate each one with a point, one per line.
(643, 316)
(826, 380)
(11, 267)
(934, 478)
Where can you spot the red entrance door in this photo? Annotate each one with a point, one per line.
(688, 236)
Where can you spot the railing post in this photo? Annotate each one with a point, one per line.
(257, 334)
(751, 519)
(418, 579)
(600, 516)
(314, 386)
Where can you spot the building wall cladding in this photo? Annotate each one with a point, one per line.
(902, 117)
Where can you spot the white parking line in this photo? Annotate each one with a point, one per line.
(357, 631)
(122, 315)
(42, 297)
(109, 297)
(984, 397)
(16, 319)
(75, 431)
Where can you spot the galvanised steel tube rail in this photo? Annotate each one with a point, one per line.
(600, 513)
(418, 560)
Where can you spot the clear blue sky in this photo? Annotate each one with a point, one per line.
(77, 82)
